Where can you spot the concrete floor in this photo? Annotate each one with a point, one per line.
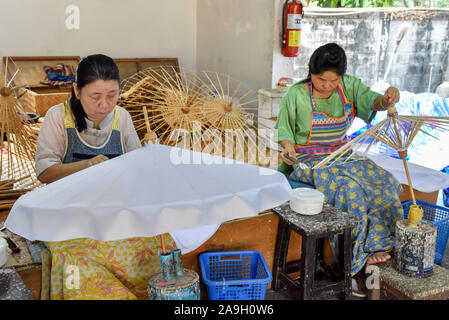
(289, 294)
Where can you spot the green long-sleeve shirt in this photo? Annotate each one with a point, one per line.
(293, 121)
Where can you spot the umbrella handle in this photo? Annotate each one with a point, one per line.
(151, 135)
(409, 180)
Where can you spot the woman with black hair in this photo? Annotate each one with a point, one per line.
(88, 128)
(314, 117)
(85, 130)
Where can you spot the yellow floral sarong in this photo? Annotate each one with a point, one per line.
(87, 269)
(364, 189)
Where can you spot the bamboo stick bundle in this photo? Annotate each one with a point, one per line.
(6, 204)
(24, 171)
(8, 195)
(12, 194)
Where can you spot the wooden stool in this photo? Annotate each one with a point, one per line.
(184, 287)
(434, 287)
(313, 229)
(12, 286)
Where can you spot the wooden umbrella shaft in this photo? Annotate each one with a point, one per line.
(403, 155)
(409, 180)
(147, 122)
(164, 251)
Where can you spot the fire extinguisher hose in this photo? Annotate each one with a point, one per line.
(283, 24)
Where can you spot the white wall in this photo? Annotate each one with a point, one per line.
(235, 37)
(121, 29)
(282, 66)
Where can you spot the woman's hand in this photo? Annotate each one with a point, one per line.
(289, 150)
(96, 160)
(390, 97)
(61, 170)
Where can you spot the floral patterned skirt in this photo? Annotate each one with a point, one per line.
(88, 269)
(367, 191)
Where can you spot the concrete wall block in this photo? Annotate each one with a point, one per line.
(369, 40)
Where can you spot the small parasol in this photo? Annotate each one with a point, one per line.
(398, 132)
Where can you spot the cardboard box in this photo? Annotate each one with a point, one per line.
(270, 101)
(431, 197)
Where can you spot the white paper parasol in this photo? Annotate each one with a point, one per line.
(144, 193)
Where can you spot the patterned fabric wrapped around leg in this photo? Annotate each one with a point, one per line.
(107, 269)
(46, 269)
(366, 190)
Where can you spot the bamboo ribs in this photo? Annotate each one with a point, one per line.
(18, 144)
(166, 102)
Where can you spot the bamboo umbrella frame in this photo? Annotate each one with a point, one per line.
(230, 106)
(170, 100)
(396, 131)
(18, 143)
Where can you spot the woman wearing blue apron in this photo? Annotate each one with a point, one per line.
(314, 117)
(85, 130)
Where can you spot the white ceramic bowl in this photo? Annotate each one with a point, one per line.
(307, 201)
(4, 253)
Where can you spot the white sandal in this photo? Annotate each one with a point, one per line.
(356, 291)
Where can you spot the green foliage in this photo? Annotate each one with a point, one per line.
(382, 3)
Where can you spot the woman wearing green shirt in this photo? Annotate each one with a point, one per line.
(314, 117)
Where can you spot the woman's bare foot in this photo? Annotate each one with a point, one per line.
(378, 257)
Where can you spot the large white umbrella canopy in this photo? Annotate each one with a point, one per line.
(146, 192)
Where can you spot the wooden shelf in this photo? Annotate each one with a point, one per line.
(32, 71)
(130, 66)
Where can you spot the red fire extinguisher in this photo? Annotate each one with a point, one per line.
(291, 27)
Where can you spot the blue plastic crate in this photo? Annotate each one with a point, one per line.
(439, 217)
(235, 275)
(446, 190)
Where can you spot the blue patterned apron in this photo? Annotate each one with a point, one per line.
(359, 187)
(327, 134)
(77, 149)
